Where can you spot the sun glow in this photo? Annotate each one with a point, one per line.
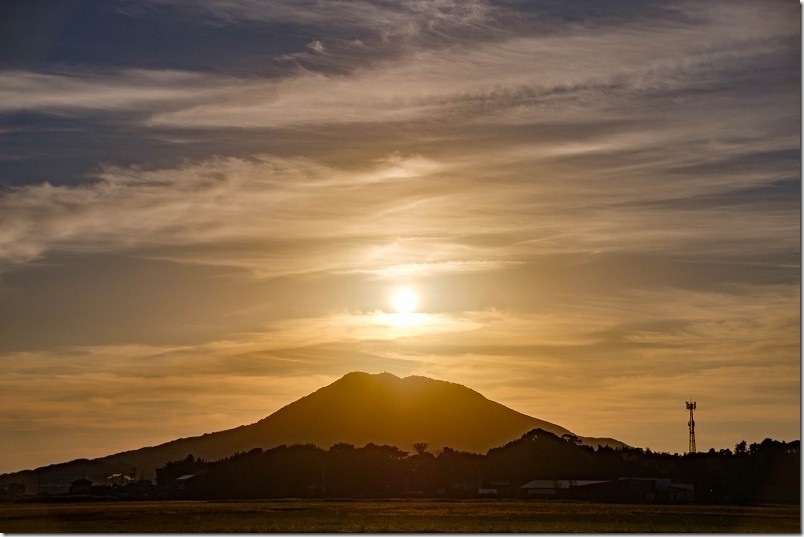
(405, 300)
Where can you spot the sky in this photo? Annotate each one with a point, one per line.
(207, 207)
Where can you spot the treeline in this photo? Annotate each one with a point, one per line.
(763, 472)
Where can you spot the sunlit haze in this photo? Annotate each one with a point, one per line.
(405, 300)
(586, 211)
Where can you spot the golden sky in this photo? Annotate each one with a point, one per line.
(206, 208)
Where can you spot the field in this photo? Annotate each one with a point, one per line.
(466, 516)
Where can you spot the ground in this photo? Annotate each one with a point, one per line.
(466, 516)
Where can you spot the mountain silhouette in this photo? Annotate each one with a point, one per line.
(357, 409)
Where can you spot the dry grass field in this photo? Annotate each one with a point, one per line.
(466, 516)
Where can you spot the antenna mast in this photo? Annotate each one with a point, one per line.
(691, 424)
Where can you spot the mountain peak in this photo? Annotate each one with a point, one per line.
(362, 375)
(383, 408)
(359, 408)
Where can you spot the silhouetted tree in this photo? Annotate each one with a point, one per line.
(762, 472)
(168, 473)
(420, 447)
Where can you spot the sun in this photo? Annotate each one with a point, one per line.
(405, 300)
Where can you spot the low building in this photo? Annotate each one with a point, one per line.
(637, 490)
(503, 488)
(553, 487)
(184, 481)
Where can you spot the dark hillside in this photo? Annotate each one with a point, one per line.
(357, 409)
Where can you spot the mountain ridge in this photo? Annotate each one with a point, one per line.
(359, 408)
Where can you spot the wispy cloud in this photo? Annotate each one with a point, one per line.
(131, 90)
(408, 17)
(632, 365)
(218, 200)
(610, 66)
(409, 216)
(522, 74)
(598, 201)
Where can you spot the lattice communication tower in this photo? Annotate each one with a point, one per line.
(691, 408)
